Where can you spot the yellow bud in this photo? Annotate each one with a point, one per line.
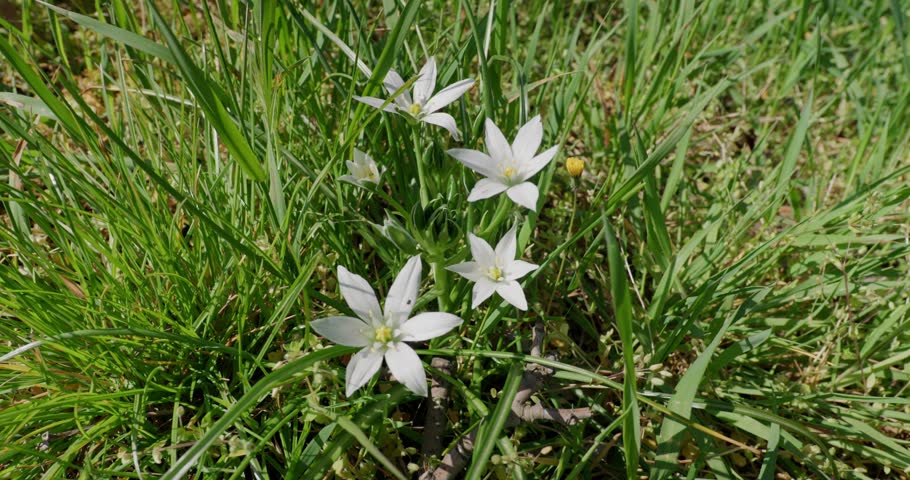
(575, 165)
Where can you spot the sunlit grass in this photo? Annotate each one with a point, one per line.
(724, 287)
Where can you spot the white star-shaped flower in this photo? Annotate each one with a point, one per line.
(420, 103)
(495, 270)
(363, 170)
(508, 167)
(382, 334)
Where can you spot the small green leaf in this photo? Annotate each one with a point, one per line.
(252, 397)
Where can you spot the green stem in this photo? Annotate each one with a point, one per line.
(501, 213)
(442, 283)
(421, 175)
(388, 198)
(562, 262)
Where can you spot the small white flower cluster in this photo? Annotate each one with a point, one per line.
(506, 168)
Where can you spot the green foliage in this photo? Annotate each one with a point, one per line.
(736, 249)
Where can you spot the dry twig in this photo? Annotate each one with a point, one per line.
(532, 379)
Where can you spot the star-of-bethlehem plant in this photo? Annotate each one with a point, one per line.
(363, 170)
(508, 167)
(495, 270)
(383, 332)
(420, 104)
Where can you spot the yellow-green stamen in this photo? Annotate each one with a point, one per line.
(383, 334)
(415, 108)
(495, 273)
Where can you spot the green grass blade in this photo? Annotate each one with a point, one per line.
(118, 34)
(361, 65)
(671, 431)
(32, 105)
(393, 45)
(769, 462)
(253, 396)
(788, 165)
(489, 433)
(59, 110)
(634, 182)
(210, 100)
(323, 456)
(622, 311)
(369, 446)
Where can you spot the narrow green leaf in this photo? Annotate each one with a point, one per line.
(209, 96)
(671, 431)
(32, 105)
(769, 462)
(634, 182)
(317, 467)
(34, 80)
(489, 433)
(252, 397)
(338, 42)
(118, 34)
(393, 45)
(622, 310)
(371, 448)
(631, 10)
(788, 165)
(486, 78)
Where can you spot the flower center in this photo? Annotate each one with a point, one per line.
(495, 273)
(415, 109)
(383, 334)
(509, 172)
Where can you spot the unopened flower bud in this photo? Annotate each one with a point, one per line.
(575, 165)
(396, 233)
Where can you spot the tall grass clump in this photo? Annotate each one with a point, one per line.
(430, 239)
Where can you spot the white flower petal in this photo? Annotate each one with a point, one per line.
(359, 295)
(392, 82)
(486, 188)
(518, 269)
(407, 368)
(428, 325)
(350, 179)
(511, 292)
(469, 270)
(505, 249)
(403, 293)
(360, 158)
(497, 145)
(524, 194)
(448, 95)
(376, 103)
(445, 121)
(527, 141)
(347, 331)
(481, 251)
(483, 289)
(478, 161)
(426, 82)
(536, 164)
(363, 365)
